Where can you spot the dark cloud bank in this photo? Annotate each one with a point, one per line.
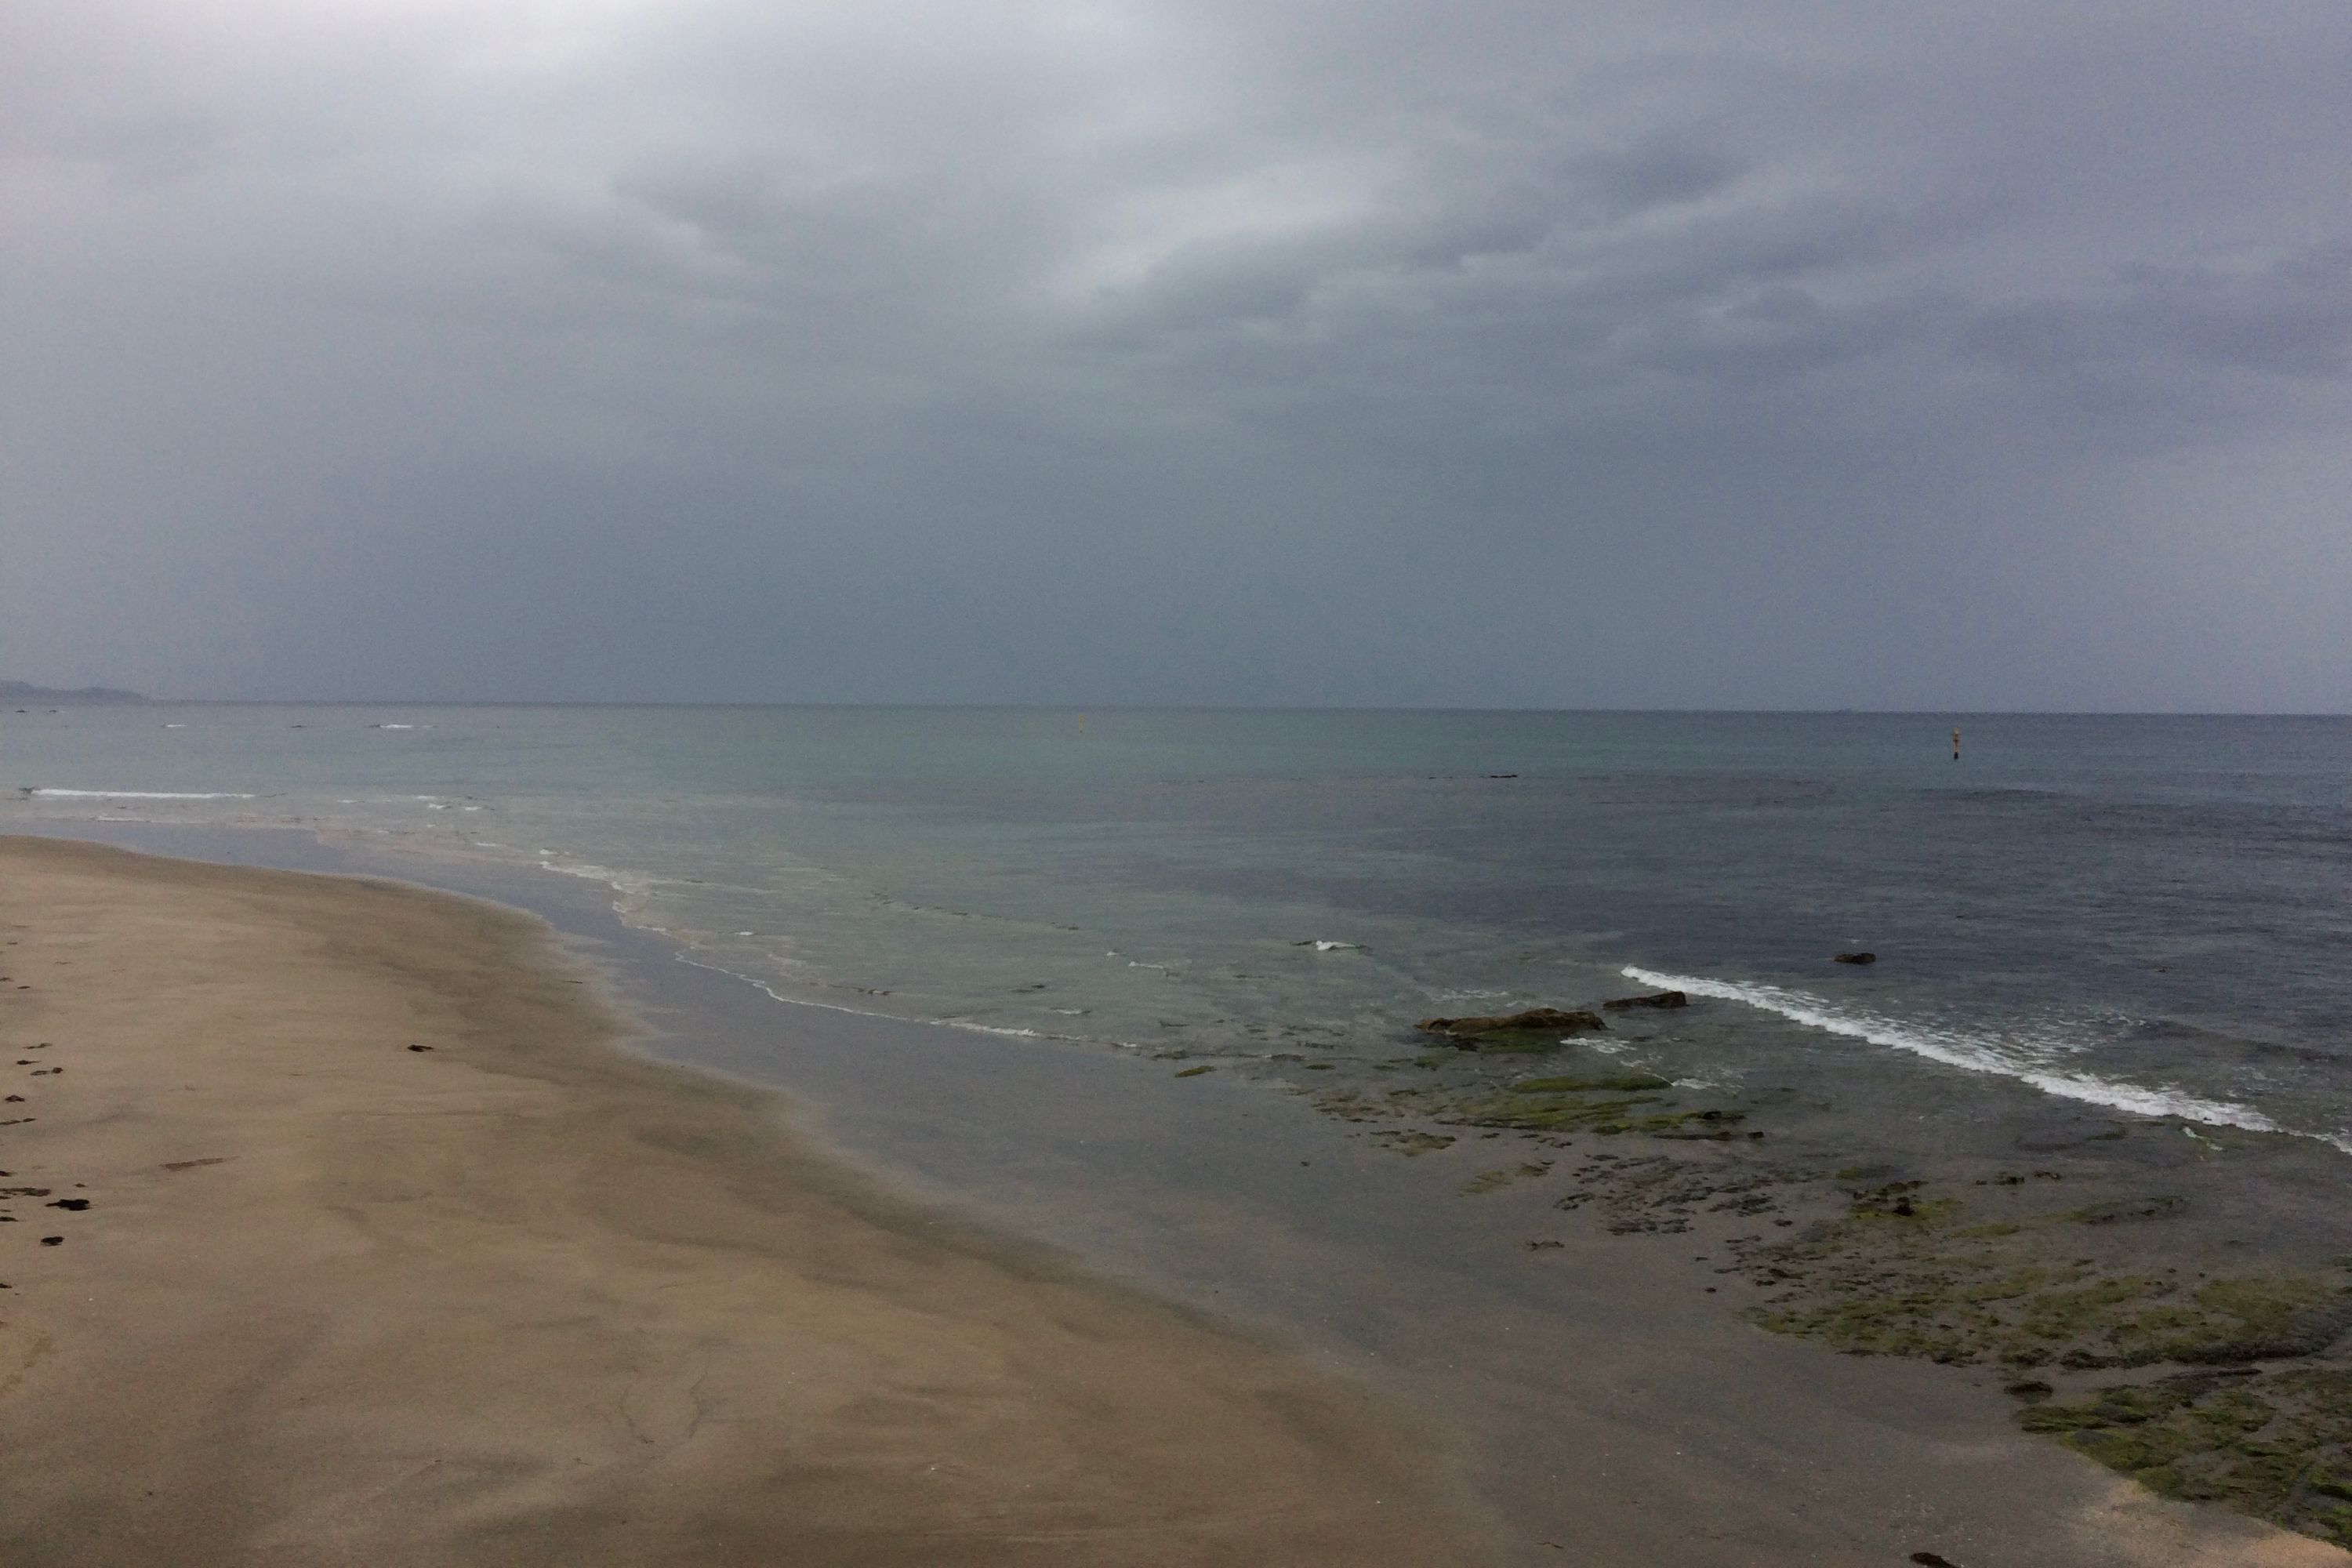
(1658, 354)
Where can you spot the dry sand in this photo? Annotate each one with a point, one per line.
(521, 1298)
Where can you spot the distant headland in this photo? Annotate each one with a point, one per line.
(17, 692)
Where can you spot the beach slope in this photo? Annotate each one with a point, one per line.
(371, 1246)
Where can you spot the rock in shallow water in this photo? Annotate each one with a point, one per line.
(1546, 1020)
(1659, 999)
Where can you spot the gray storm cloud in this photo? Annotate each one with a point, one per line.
(1660, 354)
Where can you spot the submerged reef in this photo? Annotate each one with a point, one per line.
(2175, 1308)
(1536, 1029)
(2270, 1443)
(1608, 1104)
(2238, 1392)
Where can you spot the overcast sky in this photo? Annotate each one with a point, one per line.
(1655, 353)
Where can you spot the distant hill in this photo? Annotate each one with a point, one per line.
(17, 694)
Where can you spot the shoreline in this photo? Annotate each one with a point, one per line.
(1650, 1423)
(524, 1296)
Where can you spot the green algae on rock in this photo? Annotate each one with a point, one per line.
(1900, 1274)
(1609, 1105)
(1504, 1177)
(2274, 1444)
(2180, 1270)
(1414, 1142)
(1897, 1274)
(1536, 1029)
(1605, 1083)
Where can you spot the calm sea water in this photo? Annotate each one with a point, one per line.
(2151, 914)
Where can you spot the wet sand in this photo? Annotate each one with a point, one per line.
(1605, 1410)
(373, 1247)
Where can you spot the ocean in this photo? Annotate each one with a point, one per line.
(2084, 1118)
(2133, 915)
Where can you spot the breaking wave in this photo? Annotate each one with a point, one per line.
(136, 794)
(2026, 1058)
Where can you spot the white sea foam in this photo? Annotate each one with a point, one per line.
(626, 883)
(792, 1001)
(137, 794)
(2026, 1059)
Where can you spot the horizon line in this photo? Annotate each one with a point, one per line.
(129, 698)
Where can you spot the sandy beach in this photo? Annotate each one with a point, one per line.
(341, 1230)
